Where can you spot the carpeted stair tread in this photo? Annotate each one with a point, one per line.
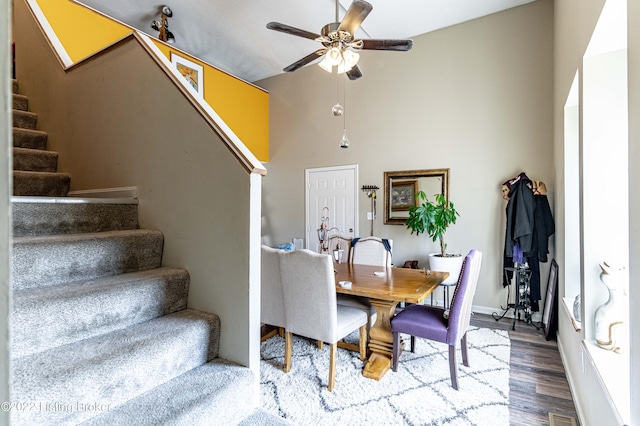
(58, 315)
(14, 85)
(25, 119)
(20, 102)
(216, 393)
(35, 160)
(113, 368)
(100, 330)
(29, 138)
(57, 259)
(67, 215)
(40, 184)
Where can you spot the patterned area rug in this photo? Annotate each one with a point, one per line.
(419, 393)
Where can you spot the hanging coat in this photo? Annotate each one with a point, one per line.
(543, 228)
(520, 221)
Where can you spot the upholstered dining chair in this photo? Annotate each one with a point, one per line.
(271, 295)
(310, 306)
(371, 251)
(367, 251)
(429, 322)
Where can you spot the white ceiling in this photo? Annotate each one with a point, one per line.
(232, 35)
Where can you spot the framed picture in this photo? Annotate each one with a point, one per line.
(192, 72)
(403, 195)
(550, 312)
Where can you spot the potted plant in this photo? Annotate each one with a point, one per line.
(433, 218)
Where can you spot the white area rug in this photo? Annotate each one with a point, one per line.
(419, 393)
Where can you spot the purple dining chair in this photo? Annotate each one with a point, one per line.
(429, 322)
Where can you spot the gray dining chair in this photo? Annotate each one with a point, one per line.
(271, 294)
(310, 306)
(429, 322)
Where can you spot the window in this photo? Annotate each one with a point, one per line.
(597, 215)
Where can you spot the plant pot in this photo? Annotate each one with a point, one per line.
(450, 264)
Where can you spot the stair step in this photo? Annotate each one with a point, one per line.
(217, 392)
(34, 216)
(20, 102)
(28, 138)
(35, 160)
(58, 315)
(25, 119)
(40, 184)
(113, 368)
(58, 259)
(14, 85)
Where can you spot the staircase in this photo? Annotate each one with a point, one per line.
(100, 330)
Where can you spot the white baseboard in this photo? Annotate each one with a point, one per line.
(124, 192)
(572, 383)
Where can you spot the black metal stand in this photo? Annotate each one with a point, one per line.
(522, 303)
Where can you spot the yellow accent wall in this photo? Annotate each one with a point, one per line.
(244, 107)
(81, 31)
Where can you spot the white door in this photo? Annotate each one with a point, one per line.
(337, 189)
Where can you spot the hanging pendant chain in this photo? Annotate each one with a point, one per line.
(344, 103)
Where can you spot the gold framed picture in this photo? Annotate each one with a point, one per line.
(403, 195)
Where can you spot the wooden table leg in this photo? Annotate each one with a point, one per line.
(380, 340)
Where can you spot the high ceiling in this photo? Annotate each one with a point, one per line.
(232, 35)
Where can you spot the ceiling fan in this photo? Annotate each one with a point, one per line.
(340, 46)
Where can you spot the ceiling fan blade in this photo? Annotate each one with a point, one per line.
(304, 61)
(354, 73)
(356, 13)
(398, 45)
(287, 29)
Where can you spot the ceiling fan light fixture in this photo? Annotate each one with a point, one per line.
(351, 58)
(342, 68)
(338, 39)
(170, 38)
(325, 65)
(334, 56)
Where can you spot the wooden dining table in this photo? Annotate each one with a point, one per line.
(385, 288)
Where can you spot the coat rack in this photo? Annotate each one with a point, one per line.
(371, 193)
(527, 209)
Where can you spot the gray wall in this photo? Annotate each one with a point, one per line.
(475, 98)
(118, 121)
(5, 207)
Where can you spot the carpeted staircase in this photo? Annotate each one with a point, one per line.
(100, 330)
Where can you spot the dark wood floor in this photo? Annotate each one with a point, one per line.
(537, 381)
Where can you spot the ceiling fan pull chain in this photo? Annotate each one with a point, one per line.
(337, 109)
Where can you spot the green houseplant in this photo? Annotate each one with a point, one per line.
(432, 218)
